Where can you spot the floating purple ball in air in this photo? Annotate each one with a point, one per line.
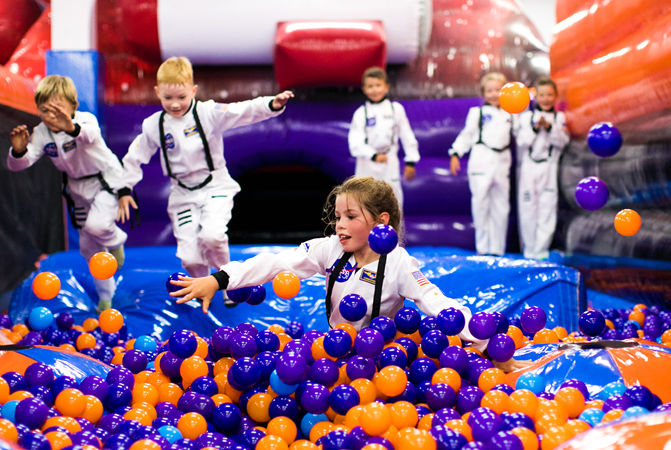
(604, 139)
(353, 307)
(591, 193)
(382, 239)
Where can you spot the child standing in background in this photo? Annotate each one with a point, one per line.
(541, 138)
(374, 133)
(189, 135)
(487, 136)
(74, 143)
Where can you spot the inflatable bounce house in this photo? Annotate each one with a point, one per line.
(134, 378)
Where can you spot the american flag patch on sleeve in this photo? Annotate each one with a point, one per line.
(419, 278)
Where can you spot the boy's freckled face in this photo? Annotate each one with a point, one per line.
(176, 98)
(492, 89)
(375, 89)
(546, 97)
(47, 117)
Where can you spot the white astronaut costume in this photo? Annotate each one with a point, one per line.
(202, 191)
(93, 174)
(402, 279)
(539, 152)
(376, 128)
(487, 135)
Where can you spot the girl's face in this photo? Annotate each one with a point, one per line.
(352, 224)
(492, 89)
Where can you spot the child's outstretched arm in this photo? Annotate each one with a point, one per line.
(196, 288)
(281, 99)
(465, 140)
(19, 138)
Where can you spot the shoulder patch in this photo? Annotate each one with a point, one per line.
(367, 276)
(69, 146)
(51, 150)
(420, 278)
(306, 246)
(221, 107)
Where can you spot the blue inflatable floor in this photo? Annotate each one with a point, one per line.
(507, 284)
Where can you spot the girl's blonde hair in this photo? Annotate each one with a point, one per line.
(375, 196)
(492, 76)
(175, 70)
(56, 86)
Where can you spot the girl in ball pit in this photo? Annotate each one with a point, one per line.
(347, 261)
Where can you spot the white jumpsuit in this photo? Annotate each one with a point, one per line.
(82, 158)
(488, 139)
(199, 215)
(539, 152)
(402, 279)
(376, 128)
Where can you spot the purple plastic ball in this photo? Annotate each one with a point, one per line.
(170, 365)
(39, 374)
(353, 307)
(591, 323)
(135, 361)
(369, 343)
(482, 325)
(454, 357)
(591, 193)
(294, 329)
(221, 339)
(243, 346)
(31, 412)
(382, 239)
(604, 139)
(325, 371)
(501, 347)
(533, 319)
(257, 296)
(407, 320)
(174, 277)
(451, 321)
(94, 385)
(291, 368)
(182, 343)
(239, 295)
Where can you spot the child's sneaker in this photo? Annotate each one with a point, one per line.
(103, 305)
(120, 256)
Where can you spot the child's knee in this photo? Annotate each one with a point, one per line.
(212, 237)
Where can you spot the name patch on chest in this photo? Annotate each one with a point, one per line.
(191, 131)
(51, 150)
(69, 146)
(367, 276)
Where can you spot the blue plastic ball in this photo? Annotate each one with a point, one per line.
(226, 417)
(591, 323)
(592, 416)
(353, 307)
(382, 239)
(392, 356)
(64, 321)
(433, 343)
(267, 341)
(279, 387)
(309, 420)
(174, 277)
(245, 372)
(604, 139)
(172, 434)
(40, 318)
(8, 410)
(145, 344)
(532, 382)
(294, 329)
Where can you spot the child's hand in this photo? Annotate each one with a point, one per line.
(281, 99)
(409, 173)
(380, 158)
(124, 210)
(20, 139)
(511, 365)
(455, 165)
(196, 288)
(58, 118)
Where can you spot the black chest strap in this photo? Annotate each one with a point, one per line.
(379, 279)
(206, 147)
(499, 150)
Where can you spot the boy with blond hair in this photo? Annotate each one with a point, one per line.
(74, 143)
(541, 138)
(188, 133)
(487, 135)
(374, 133)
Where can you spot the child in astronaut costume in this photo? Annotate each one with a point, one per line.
(188, 134)
(92, 173)
(487, 135)
(541, 138)
(374, 133)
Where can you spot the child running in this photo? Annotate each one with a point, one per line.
(354, 208)
(73, 142)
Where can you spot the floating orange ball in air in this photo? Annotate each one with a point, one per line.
(286, 285)
(103, 265)
(514, 97)
(627, 222)
(46, 285)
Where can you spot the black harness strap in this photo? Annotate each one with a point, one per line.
(492, 148)
(71, 203)
(379, 279)
(206, 147)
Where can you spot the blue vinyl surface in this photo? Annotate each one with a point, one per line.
(506, 284)
(67, 364)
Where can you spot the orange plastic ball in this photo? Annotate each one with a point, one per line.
(85, 340)
(514, 97)
(523, 401)
(110, 320)
(415, 440)
(349, 328)
(598, 404)
(545, 336)
(233, 393)
(611, 415)
(222, 366)
(447, 376)
(192, 425)
(555, 437)
(271, 443)
(374, 447)
(170, 393)
(366, 390)
(145, 444)
(282, 427)
(69, 423)
(257, 407)
(320, 429)
(353, 416)
(318, 351)
(637, 316)
(70, 403)
(94, 409)
(8, 431)
(58, 440)
(572, 400)
(130, 344)
(391, 381)
(191, 368)
(4, 391)
(577, 426)
(517, 336)
(157, 379)
(146, 407)
(375, 419)
(461, 427)
(117, 360)
(284, 340)
(46, 285)
(19, 395)
(90, 324)
(498, 401)
(552, 408)
(14, 337)
(275, 328)
(404, 414)
(218, 399)
(103, 265)
(561, 332)
(201, 349)
(491, 377)
(627, 222)
(139, 415)
(528, 438)
(303, 444)
(286, 285)
(145, 392)
(21, 329)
